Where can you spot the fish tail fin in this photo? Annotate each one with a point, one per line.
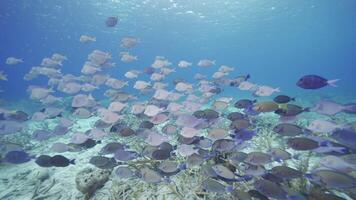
(333, 82)
(277, 89)
(307, 109)
(72, 162)
(292, 99)
(247, 77)
(254, 101)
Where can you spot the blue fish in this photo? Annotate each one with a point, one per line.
(111, 21)
(315, 82)
(345, 136)
(17, 157)
(243, 135)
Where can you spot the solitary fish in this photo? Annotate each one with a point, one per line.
(111, 21)
(315, 82)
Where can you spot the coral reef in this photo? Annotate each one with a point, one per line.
(89, 180)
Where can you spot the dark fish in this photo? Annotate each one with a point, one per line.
(112, 147)
(291, 110)
(161, 154)
(315, 82)
(17, 157)
(199, 114)
(116, 128)
(285, 172)
(272, 177)
(286, 129)
(61, 161)
(103, 162)
(44, 161)
(283, 99)
(210, 114)
(302, 143)
(193, 140)
(89, 143)
(111, 21)
(243, 135)
(126, 132)
(244, 103)
(146, 125)
(166, 147)
(215, 90)
(235, 116)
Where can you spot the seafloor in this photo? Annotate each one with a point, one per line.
(28, 181)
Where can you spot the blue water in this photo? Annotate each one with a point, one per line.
(276, 42)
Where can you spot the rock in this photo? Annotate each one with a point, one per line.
(42, 174)
(89, 180)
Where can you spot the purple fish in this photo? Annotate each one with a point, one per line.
(17, 157)
(345, 136)
(350, 108)
(315, 82)
(243, 135)
(41, 135)
(111, 21)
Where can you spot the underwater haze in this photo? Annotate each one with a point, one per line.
(178, 99)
